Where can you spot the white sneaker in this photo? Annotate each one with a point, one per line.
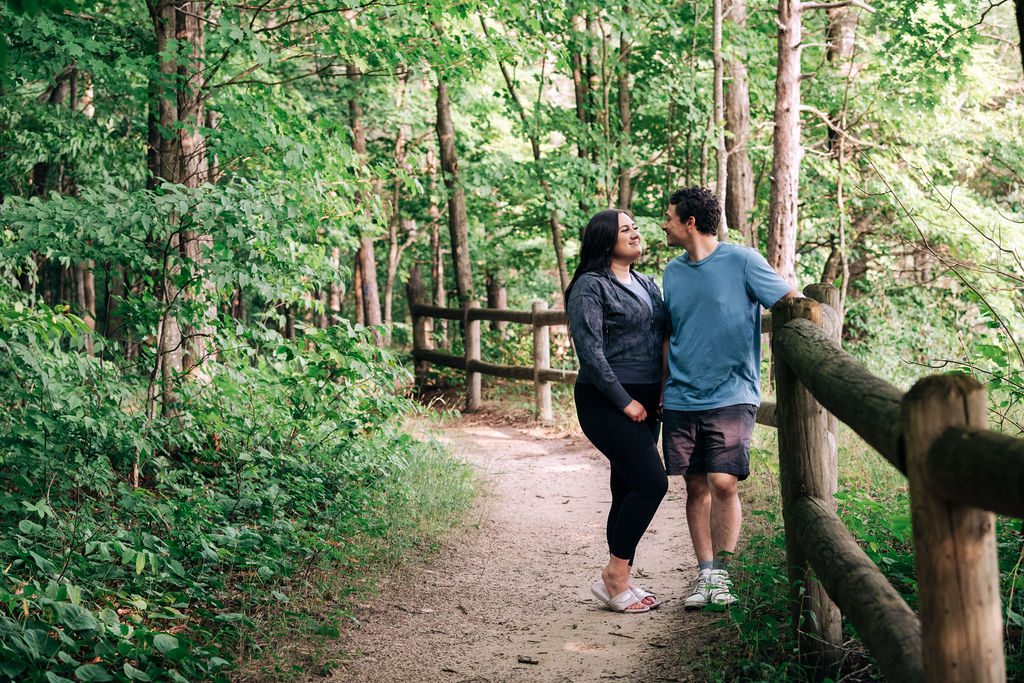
(719, 592)
(701, 592)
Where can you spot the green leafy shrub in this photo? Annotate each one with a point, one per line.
(285, 464)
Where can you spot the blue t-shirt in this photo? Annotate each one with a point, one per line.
(714, 315)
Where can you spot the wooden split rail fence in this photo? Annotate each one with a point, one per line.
(959, 474)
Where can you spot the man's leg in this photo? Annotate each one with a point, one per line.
(698, 516)
(726, 513)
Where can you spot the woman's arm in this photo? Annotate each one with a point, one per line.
(586, 324)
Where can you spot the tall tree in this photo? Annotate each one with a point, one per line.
(180, 159)
(782, 228)
(366, 256)
(782, 219)
(739, 196)
(721, 153)
(625, 117)
(458, 221)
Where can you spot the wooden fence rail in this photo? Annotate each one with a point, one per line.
(958, 472)
(541, 373)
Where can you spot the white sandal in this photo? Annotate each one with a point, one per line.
(642, 595)
(623, 602)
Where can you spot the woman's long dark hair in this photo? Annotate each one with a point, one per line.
(598, 242)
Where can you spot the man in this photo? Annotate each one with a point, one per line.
(713, 296)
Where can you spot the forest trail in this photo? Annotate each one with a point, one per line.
(508, 598)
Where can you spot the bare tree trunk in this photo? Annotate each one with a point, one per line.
(782, 226)
(670, 153)
(458, 222)
(704, 151)
(580, 88)
(721, 155)
(395, 244)
(238, 310)
(85, 281)
(357, 288)
(366, 255)
(625, 120)
(439, 296)
(335, 288)
(497, 297)
(739, 198)
(842, 37)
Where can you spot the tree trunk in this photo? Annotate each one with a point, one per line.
(721, 155)
(739, 197)
(625, 121)
(458, 222)
(782, 226)
(357, 288)
(438, 294)
(181, 159)
(335, 288)
(842, 36)
(366, 256)
(497, 297)
(580, 88)
(85, 281)
(395, 222)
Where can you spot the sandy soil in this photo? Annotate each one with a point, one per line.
(509, 600)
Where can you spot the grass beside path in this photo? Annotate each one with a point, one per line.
(418, 507)
(758, 644)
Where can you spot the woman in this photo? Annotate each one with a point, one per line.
(615, 318)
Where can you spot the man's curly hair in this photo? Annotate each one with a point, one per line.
(702, 204)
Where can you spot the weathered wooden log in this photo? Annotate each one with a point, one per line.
(807, 467)
(954, 545)
(541, 362)
(495, 370)
(869, 405)
(828, 295)
(440, 358)
(560, 376)
(502, 315)
(439, 312)
(555, 317)
(766, 414)
(473, 379)
(980, 468)
(883, 621)
(421, 325)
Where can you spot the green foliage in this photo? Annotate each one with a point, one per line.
(290, 465)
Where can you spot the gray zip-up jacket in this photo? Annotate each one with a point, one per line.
(618, 340)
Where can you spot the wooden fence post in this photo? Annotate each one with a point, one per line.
(472, 343)
(954, 545)
(833, 325)
(420, 324)
(807, 467)
(541, 361)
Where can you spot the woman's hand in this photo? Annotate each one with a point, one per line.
(635, 411)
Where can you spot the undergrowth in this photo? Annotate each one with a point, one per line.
(873, 502)
(282, 486)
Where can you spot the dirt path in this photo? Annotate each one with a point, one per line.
(509, 599)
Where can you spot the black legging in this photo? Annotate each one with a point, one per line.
(638, 478)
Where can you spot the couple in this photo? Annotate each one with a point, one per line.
(697, 355)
